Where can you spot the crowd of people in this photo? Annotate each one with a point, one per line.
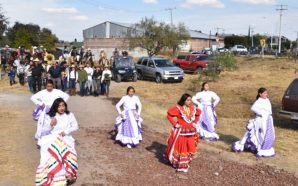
(66, 73)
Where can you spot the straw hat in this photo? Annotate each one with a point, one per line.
(73, 66)
(36, 60)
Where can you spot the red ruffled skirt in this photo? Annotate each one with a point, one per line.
(182, 146)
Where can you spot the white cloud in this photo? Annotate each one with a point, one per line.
(208, 3)
(256, 2)
(151, 1)
(60, 10)
(79, 18)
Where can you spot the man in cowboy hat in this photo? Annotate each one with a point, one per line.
(37, 71)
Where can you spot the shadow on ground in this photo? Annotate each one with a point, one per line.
(158, 149)
(228, 139)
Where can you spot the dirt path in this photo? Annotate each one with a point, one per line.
(102, 162)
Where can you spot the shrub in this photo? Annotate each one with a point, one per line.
(226, 60)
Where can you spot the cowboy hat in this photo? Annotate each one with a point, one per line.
(89, 49)
(36, 60)
(73, 66)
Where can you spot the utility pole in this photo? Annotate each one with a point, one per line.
(280, 8)
(171, 13)
(218, 28)
(252, 36)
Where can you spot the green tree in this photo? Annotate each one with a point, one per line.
(28, 35)
(3, 27)
(154, 36)
(230, 41)
(47, 39)
(176, 36)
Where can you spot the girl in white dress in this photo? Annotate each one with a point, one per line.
(58, 157)
(207, 100)
(128, 123)
(260, 135)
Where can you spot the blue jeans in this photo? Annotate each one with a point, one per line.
(30, 83)
(72, 83)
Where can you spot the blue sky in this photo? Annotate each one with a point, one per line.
(67, 18)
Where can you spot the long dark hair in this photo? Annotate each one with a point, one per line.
(130, 88)
(183, 98)
(54, 107)
(203, 85)
(261, 91)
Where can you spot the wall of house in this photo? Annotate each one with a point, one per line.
(109, 45)
(200, 44)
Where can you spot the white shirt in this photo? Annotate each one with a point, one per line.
(47, 98)
(262, 107)
(129, 103)
(28, 72)
(104, 73)
(206, 98)
(66, 123)
(89, 71)
(73, 75)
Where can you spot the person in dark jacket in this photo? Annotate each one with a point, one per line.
(37, 72)
(55, 73)
(96, 78)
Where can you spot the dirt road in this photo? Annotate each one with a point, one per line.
(102, 162)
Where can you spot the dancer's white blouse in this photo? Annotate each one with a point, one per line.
(66, 123)
(206, 98)
(129, 103)
(262, 107)
(47, 98)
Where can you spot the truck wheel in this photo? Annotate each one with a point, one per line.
(158, 78)
(135, 78)
(140, 75)
(199, 70)
(118, 78)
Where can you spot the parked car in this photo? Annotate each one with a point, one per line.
(160, 69)
(123, 68)
(197, 63)
(207, 51)
(290, 102)
(222, 50)
(239, 49)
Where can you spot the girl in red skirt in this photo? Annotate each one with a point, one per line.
(183, 140)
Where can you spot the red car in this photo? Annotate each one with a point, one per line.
(192, 62)
(290, 102)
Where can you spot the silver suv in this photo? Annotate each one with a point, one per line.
(160, 69)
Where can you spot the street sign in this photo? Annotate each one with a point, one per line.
(263, 43)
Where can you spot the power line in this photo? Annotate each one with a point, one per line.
(280, 8)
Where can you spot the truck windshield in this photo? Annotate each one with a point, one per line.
(124, 62)
(293, 90)
(163, 63)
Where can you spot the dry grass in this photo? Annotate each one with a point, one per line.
(237, 90)
(16, 88)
